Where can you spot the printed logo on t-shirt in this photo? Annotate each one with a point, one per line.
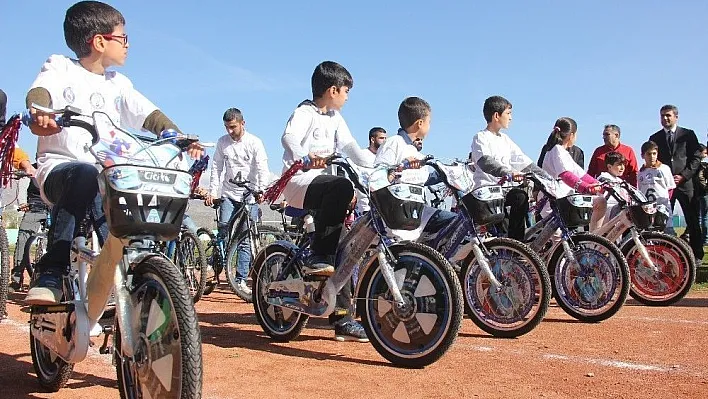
(97, 101)
(69, 96)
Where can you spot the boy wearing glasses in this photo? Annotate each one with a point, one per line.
(66, 174)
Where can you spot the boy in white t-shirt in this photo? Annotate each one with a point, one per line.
(314, 131)
(414, 118)
(495, 155)
(615, 163)
(66, 174)
(656, 181)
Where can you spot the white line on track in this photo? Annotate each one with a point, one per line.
(611, 363)
(662, 320)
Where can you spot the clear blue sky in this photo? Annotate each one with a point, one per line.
(596, 61)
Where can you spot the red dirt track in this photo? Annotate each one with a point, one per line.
(642, 352)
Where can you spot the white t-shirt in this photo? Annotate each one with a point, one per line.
(502, 149)
(655, 183)
(557, 161)
(611, 201)
(395, 150)
(309, 131)
(246, 156)
(362, 200)
(69, 83)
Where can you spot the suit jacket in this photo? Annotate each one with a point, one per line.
(685, 157)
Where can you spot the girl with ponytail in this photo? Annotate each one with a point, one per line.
(559, 164)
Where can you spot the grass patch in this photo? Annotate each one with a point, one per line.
(700, 287)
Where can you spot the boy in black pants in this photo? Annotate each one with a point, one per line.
(314, 131)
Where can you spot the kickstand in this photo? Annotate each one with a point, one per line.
(105, 349)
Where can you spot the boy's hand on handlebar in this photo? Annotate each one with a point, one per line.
(209, 200)
(517, 177)
(316, 162)
(23, 208)
(414, 163)
(195, 150)
(594, 190)
(44, 123)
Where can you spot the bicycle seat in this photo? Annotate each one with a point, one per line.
(295, 212)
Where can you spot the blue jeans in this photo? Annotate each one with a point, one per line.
(189, 224)
(438, 221)
(227, 212)
(73, 189)
(703, 217)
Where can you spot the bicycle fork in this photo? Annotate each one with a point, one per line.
(643, 251)
(474, 246)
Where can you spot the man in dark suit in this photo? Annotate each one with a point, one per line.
(678, 148)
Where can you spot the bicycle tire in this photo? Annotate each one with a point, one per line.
(158, 287)
(685, 268)
(585, 311)
(185, 254)
(512, 319)
(421, 332)
(4, 272)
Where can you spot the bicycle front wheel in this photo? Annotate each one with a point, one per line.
(672, 274)
(167, 358)
(520, 302)
(595, 286)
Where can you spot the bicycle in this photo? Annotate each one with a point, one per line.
(188, 253)
(408, 295)
(5, 267)
(662, 267)
(590, 276)
(505, 285)
(222, 253)
(156, 339)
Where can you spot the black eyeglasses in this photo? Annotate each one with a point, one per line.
(119, 38)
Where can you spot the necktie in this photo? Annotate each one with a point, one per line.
(670, 139)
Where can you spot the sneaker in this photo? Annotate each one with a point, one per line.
(320, 265)
(350, 331)
(45, 290)
(243, 290)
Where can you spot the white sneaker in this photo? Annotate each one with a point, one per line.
(243, 291)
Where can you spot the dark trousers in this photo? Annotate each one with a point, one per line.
(690, 206)
(73, 189)
(329, 196)
(516, 206)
